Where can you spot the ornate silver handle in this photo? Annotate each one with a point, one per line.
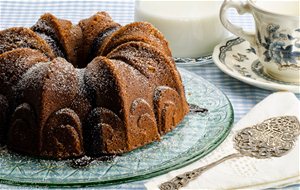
(183, 179)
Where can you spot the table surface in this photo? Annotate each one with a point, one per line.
(24, 13)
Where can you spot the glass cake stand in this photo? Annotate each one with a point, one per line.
(196, 136)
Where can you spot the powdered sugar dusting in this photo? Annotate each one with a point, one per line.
(34, 77)
(15, 63)
(61, 77)
(80, 76)
(81, 104)
(142, 57)
(48, 34)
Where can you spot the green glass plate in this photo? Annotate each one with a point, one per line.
(196, 136)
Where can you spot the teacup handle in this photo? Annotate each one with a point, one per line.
(241, 8)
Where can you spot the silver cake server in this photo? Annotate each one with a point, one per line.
(273, 137)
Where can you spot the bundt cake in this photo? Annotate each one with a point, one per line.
(89, 89)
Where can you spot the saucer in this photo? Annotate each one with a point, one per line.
(191, 62)
(237, 58)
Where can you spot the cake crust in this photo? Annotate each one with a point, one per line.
(19, 37)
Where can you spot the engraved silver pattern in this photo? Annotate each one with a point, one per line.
(273, 137)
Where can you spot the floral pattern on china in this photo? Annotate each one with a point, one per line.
(278, 44)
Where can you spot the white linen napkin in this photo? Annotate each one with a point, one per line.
(247, 172)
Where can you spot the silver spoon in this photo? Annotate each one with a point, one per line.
(273, 137)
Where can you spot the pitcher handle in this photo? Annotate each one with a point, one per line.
(241, 8)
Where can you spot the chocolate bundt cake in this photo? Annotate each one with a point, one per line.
(89, 89)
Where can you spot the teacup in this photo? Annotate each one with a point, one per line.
(277, 36)
(192, 27)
